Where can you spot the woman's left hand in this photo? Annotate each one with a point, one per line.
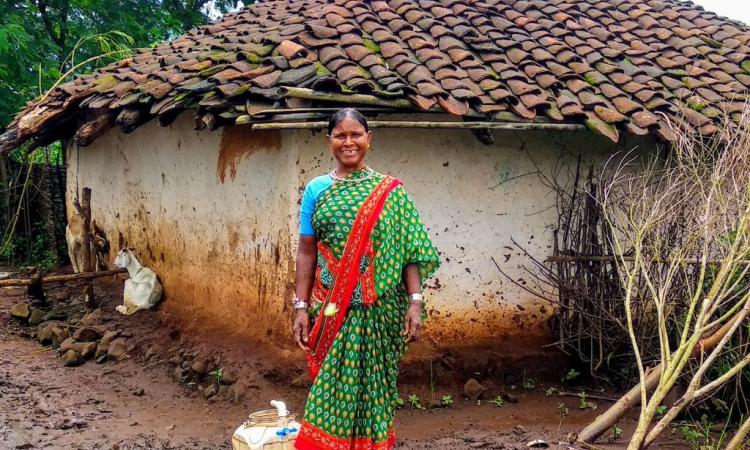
(413, 322)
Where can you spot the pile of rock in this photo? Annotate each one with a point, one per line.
(84, 343)
(76, 339)
(206, 374)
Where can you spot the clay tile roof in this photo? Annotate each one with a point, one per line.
(619, 66)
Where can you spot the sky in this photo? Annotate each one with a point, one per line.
(734, 9)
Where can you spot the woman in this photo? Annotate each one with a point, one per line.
(362, 254)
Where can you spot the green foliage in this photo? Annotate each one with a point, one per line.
(415, 402)
(446, 400)
(571, 375)
(217, 375)
(528, 383)
(583, 402)
(661, 410)
(498, 401)
(39, 41)
(615, 433)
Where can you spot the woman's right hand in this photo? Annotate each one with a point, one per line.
(300, 328)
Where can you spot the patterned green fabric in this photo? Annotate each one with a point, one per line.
(354, 395)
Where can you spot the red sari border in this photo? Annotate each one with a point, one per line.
(313, 438)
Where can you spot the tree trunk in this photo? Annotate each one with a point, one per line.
(4, 191)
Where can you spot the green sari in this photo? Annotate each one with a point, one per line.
(353, 398)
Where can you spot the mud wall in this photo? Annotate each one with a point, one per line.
(208, 211)
(215, 214)
(476, 199)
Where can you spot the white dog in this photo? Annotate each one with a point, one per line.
(142, 289)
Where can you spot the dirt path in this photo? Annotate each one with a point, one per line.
(135, 405)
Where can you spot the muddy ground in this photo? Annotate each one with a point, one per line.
(152, 398)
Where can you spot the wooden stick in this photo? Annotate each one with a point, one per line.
(59, 278)
(633, 397)
(418, 124)
(612, 258)
(344, 98)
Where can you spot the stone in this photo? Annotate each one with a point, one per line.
(101, 351)
(199, 366)
(473, 389)
(36, 317)
(59, 334)
(20, 310)
(109, 336)
(88, 349)
(138, 392)
(152, 351)
(86, 334)
(211, 390)
(178, 373)
(236, 393)
(70, 344)
(92, 318)
(510, 398)
(117, 348)
(56, 314)
(44, 331)
(72, 358)
(229, 377)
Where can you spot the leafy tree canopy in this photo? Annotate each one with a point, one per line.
(42, 39)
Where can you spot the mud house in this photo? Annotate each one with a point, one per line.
(197, 150)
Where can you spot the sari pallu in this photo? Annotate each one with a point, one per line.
(353, 397)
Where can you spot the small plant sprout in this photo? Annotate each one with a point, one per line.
(661, 410)
(551, 391)
(563, 409)
(572, 375)
(528, 383)
(415, 402)
(585, 404)
(498, 402)
(217, 375)
(446, 400)
(399, 402)
(615, 433)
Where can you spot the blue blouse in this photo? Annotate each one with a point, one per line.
(314, 188)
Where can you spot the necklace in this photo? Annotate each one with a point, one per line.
(348, 180)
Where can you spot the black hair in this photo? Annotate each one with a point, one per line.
(346, 113)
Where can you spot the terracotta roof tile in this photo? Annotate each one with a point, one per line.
(601, 62)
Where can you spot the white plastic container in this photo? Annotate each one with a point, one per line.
(269, 429)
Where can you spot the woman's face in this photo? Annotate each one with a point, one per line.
(349, 143)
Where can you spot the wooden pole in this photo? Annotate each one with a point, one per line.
(88, 266)
(418, 124)
(361, 99)
(8, 282)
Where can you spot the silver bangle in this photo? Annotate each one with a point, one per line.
(298, 303)
(416, 297)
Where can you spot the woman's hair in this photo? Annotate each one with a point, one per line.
(346, 113)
